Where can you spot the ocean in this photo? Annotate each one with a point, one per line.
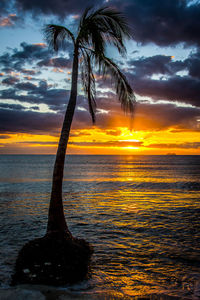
(141, 214)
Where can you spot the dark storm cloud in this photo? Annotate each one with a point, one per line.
(172, 86)
(7, 70)
(151, 65)
(5, 60)
(176, 88)
(26, 86)
(14, 118)
(10, 80)
(33, 55)
(162, 22)
(28, 53)
(11, 106)
(31, 52)
(4, 5)
(158, 64)
(59, 7)
(193, 64)
(28, 72)
(28, 121)
(147, 117)
(54, 98)
(59, 62)
(165, 115)
(166, 65)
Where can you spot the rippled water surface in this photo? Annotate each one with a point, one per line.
(141, 213)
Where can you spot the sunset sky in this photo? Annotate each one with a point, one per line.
(162, 66)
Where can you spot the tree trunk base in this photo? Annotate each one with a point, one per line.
(53, 260)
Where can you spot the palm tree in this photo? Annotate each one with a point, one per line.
(95, 30)
(58, 257)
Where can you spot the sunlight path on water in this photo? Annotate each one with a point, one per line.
(141, 213)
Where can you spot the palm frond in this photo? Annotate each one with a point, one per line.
(56, 35)
(83, 17)
(91, 36)
(101, 26)
(123, 88)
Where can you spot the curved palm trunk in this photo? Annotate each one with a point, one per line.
(56, 218)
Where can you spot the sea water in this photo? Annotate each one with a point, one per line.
(141, 214)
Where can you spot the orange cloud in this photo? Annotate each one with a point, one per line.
(7, 21)
(75, 17)
(42, 45)
(57, 70)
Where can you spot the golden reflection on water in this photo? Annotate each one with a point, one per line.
(138, 229)
(142, 220)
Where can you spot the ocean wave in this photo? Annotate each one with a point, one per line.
(180, 185)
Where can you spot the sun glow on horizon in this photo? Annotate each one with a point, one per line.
(119, 140)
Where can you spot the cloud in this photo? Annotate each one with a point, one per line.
(38, 143)
(3, 6)
(29, 59)
(59, 62)
(157, 64)
(31, 51)
(59, 7)
(113, 132)
(10, 80)
(11, 106)
(26, 86)
(28, 72)
(8, 21)
(162, 22)
(15, 120)
(160, 116)
(108, 144)
(5, 136)
(42, 93)
(161, 64)
(172, 85)
(163, 116)
(28, 54)
(187, 145)
(157, 116)
(193, 64)
(176, 88)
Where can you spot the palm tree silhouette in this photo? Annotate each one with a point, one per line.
(96, 29)
(59, 258)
